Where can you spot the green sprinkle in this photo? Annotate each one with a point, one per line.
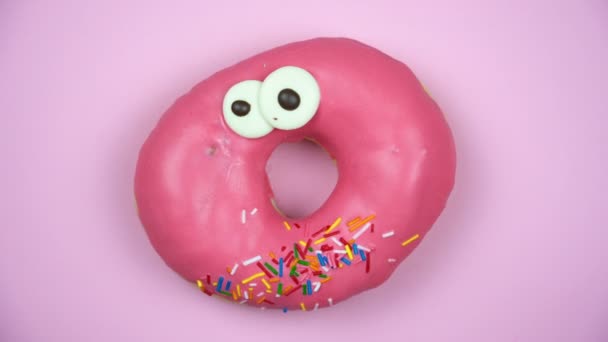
(280, 289)
(310, 249)
(272, 269)
(295, 251)
(304, 291)
(302, 262)
(226, 293)
(323, 275)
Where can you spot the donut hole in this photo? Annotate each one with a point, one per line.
(302, 176)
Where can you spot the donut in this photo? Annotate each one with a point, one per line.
(205, 202)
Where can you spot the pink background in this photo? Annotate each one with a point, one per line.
(520, 254)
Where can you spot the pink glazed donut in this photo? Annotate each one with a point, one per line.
(205, 201)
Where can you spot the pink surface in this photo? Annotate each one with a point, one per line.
(519, 254)
(197, 180)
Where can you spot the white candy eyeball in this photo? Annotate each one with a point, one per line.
(289, 97)
(242, 111)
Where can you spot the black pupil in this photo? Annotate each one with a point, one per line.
(289, 99)
(240, 108)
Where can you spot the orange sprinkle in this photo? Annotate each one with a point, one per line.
(234, 295)
(351, 222)
(238, 289)
(250, 293)
(268, 291)
(261, 300)
(228, 269)
(328, 278)
(361, 223)
(274, 280)
(270, 254)
(287, 226)
(406, 242)
(215, 283)
(286, 290)
(303, 307)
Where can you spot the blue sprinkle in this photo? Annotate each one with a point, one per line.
(355, 248)
(219, 284)
(281, 269)
(345, 260)
(309, 287)
(326, 260)
(320, 257)
(285, 310)
(228, 285)
(362, 254)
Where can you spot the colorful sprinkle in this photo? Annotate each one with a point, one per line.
(264, 270)
(362, 222)
(316, 307)
(345, 260)
(286, 225)
(304, 289)
(238, 289)
(348, 252)
(309, 286)
(266, 283)
(320, 241)
(406, 242)
(353, 221)
(336, 241)
(281, 267)
(228, 285)
(367, 263)
(317, 286)
(392, 260)
(355, 249)
(219, 284)
(302, 262)
(360, 232)
(388, 234)
(303, 307)
(334, 225)
(243, 216)
(233, 271)
(255, 210)
(246, 294)
(257, 275)
(272, 269)
(252, 260)
(280, 289)
(362, 254)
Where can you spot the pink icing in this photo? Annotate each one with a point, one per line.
(394, 152)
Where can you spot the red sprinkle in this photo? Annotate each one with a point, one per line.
(367, 265)
(300, 252)
(372, 227)
(308, 244)
(283, 248)
(320, 231)
(316, 273)
(304, 270)
(297, 225)
(345, 242)
(331, 234)
(208, 279)
(295, 280)
(264, 269)
(293, 290)
(275, 261)
(207, 292)
(267, 301)
(326, 248)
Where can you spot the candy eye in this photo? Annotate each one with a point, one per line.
(289, 97)
(242, 112)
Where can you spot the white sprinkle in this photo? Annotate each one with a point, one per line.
(364, 248)
(243, 217)
(391, 260)
(233, 271)
(316, 307)
(252, 260)
(388, 234)
(243, 301)
(253, 284)
(260, 294)
(255, 210)
(246, 295)
(325, 269)
(317, 286)
(339, 251)
(330, 301)
(362, 230)
(336, 241)
(277, 295)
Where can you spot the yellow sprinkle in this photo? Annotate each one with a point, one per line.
(268, 291)
(406, 242)
(257, 275)
(286, 225)
(351, 222)
(234, 295)
(274, 280)
(199, 284)
(327, 279)
(334, 225)
(238, 289)
(348, 252)
(261, 300)
(302, 243)
(361, 223)
(266, 283)
(215, 283)
(321, 240)
(303, 307)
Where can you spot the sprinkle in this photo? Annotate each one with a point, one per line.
(269, 291)
(355, 249)
(344, 241)
(297, 225)
(334, 225)
(317, 286)
(272, 269)
(326, 280)
(243, 217)
(320, 257)
(261, 300)
(362, 222)
(355, 220)
(392, 260)
(302, 243)
(362, 254)
(321, 240)
(199, 284)
(226, 293)
(364, 248)
(252, 260)
(302, 262)
(330, 301)
(360, 232)
(295, 280)
(295, 251)
(340, 251)
(264, 270)
(208, 279)
(283, 248)
(406, 242)
(280, 289)
(257, 275)
(233, 271)
(286, 225)
(234, 297)
(273, 280)
(303, 307)
(322, 275)
(260, 294)
(228, 285)
(348, 252)
(207, 292)
(238, 289)
(281, 267)
(345, 260)
(285, 310)
(253, 284)
(269, 302)
(336, 232)
(266, 283)
(250, 293)
(272, 255)
(367, 263)
(316, 307)
(373, 225)
(255, 210)
(336, 241)
(304, 289)
(243, 301)
(219, 284)
(287, 293)
(309, 286)
(388, 234)
(246, 295)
